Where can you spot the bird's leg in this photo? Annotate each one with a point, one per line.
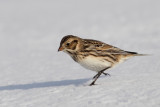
(106, 74)
(98, 75)
(102, 73)
(95, 75)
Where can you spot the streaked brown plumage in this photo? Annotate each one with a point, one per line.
(94, 55)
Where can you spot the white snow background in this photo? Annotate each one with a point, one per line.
(34, 74)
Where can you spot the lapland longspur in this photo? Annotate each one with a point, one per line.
(94, 55)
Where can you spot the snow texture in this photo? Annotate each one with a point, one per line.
(34, 74)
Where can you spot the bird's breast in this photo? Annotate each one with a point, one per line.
(94, 63)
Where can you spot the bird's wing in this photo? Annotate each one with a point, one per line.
(90, 44)
(100, 47)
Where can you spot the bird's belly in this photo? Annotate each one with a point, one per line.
(94, 63)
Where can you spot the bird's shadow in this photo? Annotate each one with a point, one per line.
(44, 84)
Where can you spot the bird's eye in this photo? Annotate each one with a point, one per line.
(67, 44)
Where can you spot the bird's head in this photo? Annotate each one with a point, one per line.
(69, 43)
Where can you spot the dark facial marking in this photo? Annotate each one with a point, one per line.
(73, 55)
(65, 38)
(73, 44)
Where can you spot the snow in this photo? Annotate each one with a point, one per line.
(34, 74)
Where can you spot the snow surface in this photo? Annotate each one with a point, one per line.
(34, 74)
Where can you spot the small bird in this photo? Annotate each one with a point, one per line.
(93, 54)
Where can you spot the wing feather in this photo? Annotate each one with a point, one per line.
(103, 48)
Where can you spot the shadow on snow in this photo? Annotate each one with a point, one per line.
(44, 84)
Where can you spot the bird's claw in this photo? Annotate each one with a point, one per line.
(106, 74)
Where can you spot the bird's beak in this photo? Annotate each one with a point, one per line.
(60, 49)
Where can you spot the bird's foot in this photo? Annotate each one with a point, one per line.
(106, 74)
(93, 83)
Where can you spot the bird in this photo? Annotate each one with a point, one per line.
(93, 54)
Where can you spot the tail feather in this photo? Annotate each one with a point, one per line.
(141, 54)
(136, 54)
(131, 52)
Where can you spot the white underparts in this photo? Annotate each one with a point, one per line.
(94, 63)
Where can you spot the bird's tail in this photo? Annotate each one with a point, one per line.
(137, 54)
(141, 54)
